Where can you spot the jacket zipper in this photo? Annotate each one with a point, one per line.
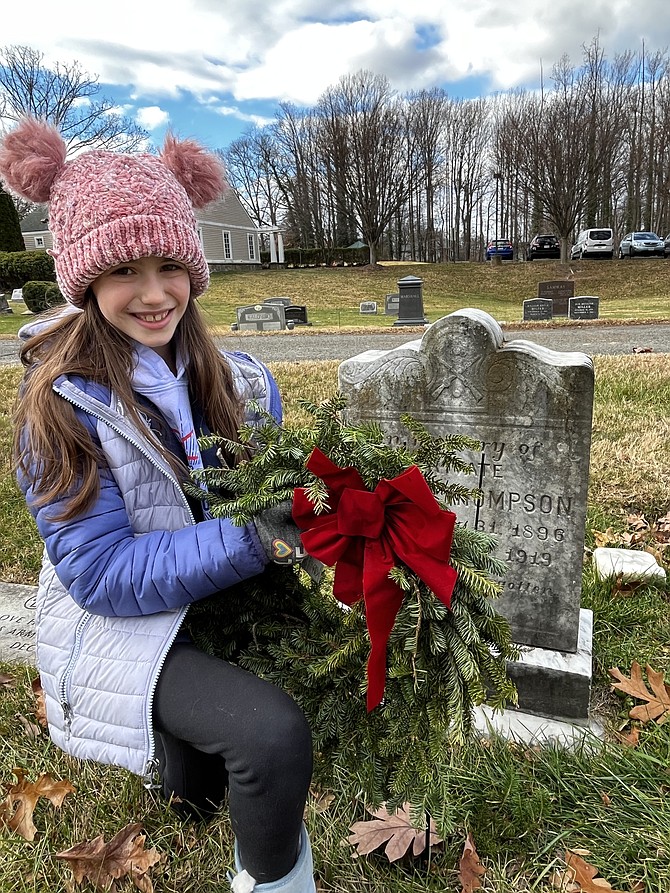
(151, 763)
(64, 688)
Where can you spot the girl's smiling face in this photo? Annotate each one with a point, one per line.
(145, 299)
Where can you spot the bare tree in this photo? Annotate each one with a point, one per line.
(363, 115)
(66, 96)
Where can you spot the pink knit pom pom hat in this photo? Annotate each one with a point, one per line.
(106, 208)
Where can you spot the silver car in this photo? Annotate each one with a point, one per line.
(641, 245)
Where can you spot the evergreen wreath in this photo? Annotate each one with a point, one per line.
(288, 628)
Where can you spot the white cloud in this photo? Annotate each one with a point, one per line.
(151, 116)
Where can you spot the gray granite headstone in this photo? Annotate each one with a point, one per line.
(583, 307)
(285, 302)
(391, 304)
(4, 306)
(537, 309)
(559, 291)
(261, 318)
(368, 307)
(530, 407)
(17, 623)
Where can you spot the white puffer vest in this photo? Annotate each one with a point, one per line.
(99, 673)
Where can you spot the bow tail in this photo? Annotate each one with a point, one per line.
(383, 599)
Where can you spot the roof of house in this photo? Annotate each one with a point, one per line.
(36, 221)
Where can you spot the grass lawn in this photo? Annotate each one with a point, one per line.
(523, 805)
(627, 290)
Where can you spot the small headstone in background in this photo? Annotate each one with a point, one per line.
(391, 303)
(4, 306)
(285, 302)
(261, 318)
(368, 307)
(537, 309)
(297, 314)
(17, 294)
(17, 623)
(583, 307)
(559, 291)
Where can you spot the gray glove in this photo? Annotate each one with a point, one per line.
(279, 534)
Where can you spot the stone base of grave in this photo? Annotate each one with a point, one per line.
(557, 683)
(514, 725)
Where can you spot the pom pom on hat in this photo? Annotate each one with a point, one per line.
(198, 171)
(108, 208)
(31, 157)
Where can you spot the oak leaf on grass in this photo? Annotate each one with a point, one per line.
(16, 810)
(470, 869)
(585, 875)
(123, 856)
(657, 704)
(394, 829)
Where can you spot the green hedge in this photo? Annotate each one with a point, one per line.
(317, 257)
(19, 267)
(39, 296)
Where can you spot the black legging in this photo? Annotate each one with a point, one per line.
(223, 729)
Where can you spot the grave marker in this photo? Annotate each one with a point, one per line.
(297, 314)
(559, 291)
(17, 623)
(261, 318)
(368, 307)
(537, 309)
(583, 307)
(391, 304)
(530, 408)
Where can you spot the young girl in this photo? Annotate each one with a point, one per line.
(118, 388)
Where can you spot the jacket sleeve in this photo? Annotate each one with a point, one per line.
(109, 570)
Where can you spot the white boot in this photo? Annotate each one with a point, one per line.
(300, 878)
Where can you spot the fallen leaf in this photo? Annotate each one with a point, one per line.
(607, 537)
(661, 529)
(396, 830)
(470, 869)
(632, 739)
(607, 800)
(322, 800)
(585, 875)
(625, 586)
(40, 703)
(643, 350)
(30, 729)
(6, 681)
(658, 700)
(105, 863)
(16, 810)
(563, 880)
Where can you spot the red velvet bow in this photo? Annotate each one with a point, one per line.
(365, 534)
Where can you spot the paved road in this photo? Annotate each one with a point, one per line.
(591, 339)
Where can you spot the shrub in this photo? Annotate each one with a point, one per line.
(39, 296)
(11, 238)
(19, 267)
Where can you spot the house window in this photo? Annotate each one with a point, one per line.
(39, 241)
(227, 246)
(252, 246)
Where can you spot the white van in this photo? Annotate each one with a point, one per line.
(596, 242)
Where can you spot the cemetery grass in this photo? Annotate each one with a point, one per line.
(627, 290)
(523, 805)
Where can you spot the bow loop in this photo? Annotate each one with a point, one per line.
(365, 534)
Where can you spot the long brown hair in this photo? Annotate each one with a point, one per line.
(53, 448)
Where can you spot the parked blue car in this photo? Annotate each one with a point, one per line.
(501, 248)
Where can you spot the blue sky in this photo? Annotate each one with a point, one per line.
(211, 68)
